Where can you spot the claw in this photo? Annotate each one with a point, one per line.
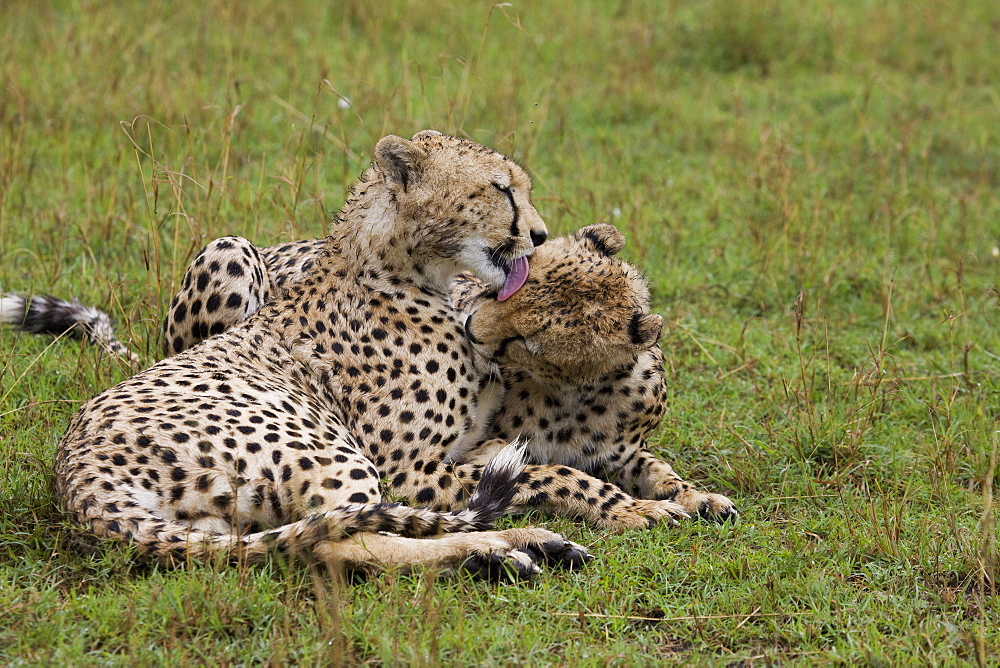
(705, 512)
(501, 568)
(561, 553)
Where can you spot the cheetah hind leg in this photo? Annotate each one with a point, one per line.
(500, 556)
(227, 282)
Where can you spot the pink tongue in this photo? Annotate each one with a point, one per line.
(516, 277)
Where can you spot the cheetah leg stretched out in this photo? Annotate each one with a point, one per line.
(567, 491)
(511, 554)
(653, 478)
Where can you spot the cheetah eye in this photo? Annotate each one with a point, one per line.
(508, 192)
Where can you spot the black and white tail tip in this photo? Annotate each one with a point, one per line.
(497, 485)
(44, 314)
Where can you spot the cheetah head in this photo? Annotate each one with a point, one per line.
(468, 208)
(582, 314)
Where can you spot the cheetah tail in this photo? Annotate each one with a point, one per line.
(44, 314)
(498, 485)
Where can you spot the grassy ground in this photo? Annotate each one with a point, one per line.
(811, 187)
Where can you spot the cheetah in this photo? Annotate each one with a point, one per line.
(274, 436)
(233, 270)
(582, 381)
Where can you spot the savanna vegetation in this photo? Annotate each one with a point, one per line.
(811, 187)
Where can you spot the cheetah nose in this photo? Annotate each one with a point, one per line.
(538, 237)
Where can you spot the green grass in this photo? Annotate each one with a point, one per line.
(810, 187)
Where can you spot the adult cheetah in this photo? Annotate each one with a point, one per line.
(274, 435)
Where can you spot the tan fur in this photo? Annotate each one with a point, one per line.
(469, 551)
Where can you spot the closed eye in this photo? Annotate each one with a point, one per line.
(502, 349)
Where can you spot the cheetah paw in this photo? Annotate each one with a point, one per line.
(560, 552)
(549, 548)
(502, 566)
(708, 506)
(718, 508)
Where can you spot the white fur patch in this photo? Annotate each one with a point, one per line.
(11, 309)
(510, 458)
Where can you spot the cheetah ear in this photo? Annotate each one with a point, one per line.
(400, 160)
(644, 330)
(602, 238)
(424, 134)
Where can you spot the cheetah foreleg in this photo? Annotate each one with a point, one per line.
(654, 478)
(566, 491)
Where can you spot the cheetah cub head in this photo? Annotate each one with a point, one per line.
(465, 207)
(582, 314)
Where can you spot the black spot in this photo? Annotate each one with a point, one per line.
(212, 305)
